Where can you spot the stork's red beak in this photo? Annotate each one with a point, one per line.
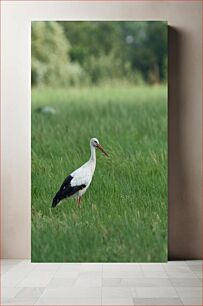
(101, 149)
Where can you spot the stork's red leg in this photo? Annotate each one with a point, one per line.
(78, 202)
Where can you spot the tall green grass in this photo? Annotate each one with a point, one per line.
(124, 212)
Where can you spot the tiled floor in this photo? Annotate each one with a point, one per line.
(172, 283)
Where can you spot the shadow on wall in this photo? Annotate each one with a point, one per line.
(184, 179)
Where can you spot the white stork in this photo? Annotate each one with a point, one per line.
(76, 184)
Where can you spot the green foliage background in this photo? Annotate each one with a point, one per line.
(81, 53)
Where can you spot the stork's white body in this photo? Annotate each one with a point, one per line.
(84, 174)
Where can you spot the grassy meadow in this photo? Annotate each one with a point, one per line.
(124, 212)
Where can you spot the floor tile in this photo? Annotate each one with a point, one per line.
(88, 282)
(157, 301)
(189, 291)
(198, 274)
(6, 268)
(21, 301)
(192, 301)
(4, 301)
(116, 292)
(91, 267)
(44, 267)
(69, 301)
(172, 283)
(177, 268)
(152, 267)
(65, 274)
(73, 292)
(67, 267)
(11, 261)
(145, 282)
(153, 292)
(122, 274)
(37, 279)
(90, 274)
(16, 274)
(68, 271)
(176, 274)
(117, 301)
(122, 268)
(12, 280)
(22, 263)
(155, 274)
(193, 262)
(111, 282)
(30, 292)
(185, 282)
(9, 292)
(61, 283)
(89, 279)
(176, 263)
(196, 268)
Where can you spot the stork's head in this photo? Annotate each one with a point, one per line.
(94, 142)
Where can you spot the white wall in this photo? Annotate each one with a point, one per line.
(184, 109)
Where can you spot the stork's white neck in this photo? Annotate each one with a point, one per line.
(93, 153)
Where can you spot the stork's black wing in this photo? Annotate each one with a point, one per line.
(66, 190)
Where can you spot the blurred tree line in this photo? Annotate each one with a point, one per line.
(84, 53)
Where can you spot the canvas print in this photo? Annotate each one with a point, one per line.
(99, 141)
